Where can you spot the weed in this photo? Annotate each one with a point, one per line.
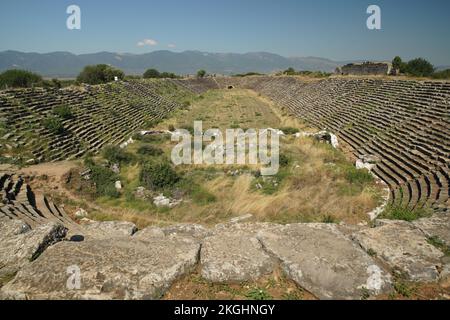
(439, 244)
(258, 294)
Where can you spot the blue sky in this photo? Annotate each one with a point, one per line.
(334, 29)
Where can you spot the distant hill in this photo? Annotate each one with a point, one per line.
(65, 64)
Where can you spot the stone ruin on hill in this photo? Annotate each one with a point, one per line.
(366, 68)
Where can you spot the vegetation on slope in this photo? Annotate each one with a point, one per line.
(19, 79)
(99, 74)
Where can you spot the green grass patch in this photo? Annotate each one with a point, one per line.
(115, 154)
(258, 294)
(398, 212)
(289, 130)
(439, 244)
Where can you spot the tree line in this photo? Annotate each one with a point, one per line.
(93, 75)
(419, 67)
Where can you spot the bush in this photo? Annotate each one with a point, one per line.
(356, 176)
(99, 74)
(171, 128)
(148, 150)
(64, 112)
(54, 125)
(114, 154)
(104, 180)
(151, 74)
(284, 160)
(168, 75)
(290, 130)
(158, 175)
(201, 73)
(19, 79)
(445, 74)
(420, 68)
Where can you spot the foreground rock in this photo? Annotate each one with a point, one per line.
(323, 261)
(125, 268)
(437, 226)
(234, 257)
(19, 244)
(109, 229)
(403, 247)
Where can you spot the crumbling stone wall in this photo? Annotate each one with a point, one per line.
(366, 68)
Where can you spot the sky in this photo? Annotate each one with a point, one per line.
(334, 29)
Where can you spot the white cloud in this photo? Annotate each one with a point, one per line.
(171, 45)
(147, 42)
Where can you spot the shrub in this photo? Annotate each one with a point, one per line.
(54, 125)
(148, 150)
(104, 180)
(99, 74)
(151, 74)
(356, 176)
(19, 79)
(56, 84)
(420, 68)
(445, 74)
(171, 128)
(114, 154)
(201, 196)
(284, 160)
(201, 73)
(168, 75)
(289, 130)
(186, 104)
(64, 112)
(158, 175)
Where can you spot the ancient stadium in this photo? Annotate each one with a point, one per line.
(87, 181)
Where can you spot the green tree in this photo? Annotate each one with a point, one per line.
(397, 63)
(169, 75)
(151, 74)
(420, 68)
(19, 79)
(201, 73)
(99, 74)
(290, 72)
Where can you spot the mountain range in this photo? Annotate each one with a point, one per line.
(68, 65)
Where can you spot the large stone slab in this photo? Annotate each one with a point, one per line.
(124, 268)
(319, 258)
(234, 257)
(403, 247)
(19, 245)
(109, 229)
(436, 226)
